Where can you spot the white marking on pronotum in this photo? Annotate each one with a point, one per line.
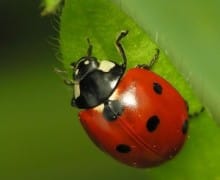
(76, 91)
(99, 108)
(106, 66)
(114, 95)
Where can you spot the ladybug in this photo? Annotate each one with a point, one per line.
(135, 116)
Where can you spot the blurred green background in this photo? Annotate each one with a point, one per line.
(36, 137)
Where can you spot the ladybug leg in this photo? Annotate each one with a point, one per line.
(152, 62)
(69, 82)
(73, 102)
(112, 109)
(194, 114)
(120, 47)
(63, 74)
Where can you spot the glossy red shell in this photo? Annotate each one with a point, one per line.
(140, 102)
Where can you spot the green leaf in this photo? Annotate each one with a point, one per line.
(50, 6)
(101, 21)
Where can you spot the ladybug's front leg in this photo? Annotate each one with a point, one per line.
(120, 47)
(112, 109)
(63, 74)
(152, 62)
(69, 82)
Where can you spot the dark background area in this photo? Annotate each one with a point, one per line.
(36, 137)
(23, 31)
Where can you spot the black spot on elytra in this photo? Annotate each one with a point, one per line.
(123, 148)
(185, 126)
(157, 88)
(152, 123)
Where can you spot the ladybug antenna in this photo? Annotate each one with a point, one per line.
(89, 51)
(120, 47)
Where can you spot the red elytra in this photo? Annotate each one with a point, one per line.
(152, 127)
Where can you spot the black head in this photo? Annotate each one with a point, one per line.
(84, 66)
(94, 81)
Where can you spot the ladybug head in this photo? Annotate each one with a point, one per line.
(84, 66)
(95, 81)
